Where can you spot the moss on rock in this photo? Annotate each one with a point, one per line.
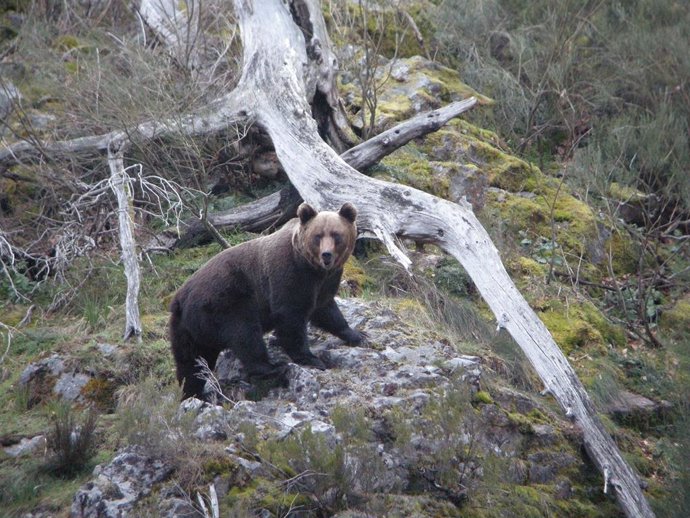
(624, 253)
(411, 167)
(354, 277)
(406, 87)
(482, 397)
(101, 393)
(526, 266)
(676, 320)
(580, 325)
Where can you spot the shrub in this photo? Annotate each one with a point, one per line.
(72, 441)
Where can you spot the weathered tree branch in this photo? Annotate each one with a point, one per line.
(370, 152)
(177, 25)
(276, 208)
(218, 116)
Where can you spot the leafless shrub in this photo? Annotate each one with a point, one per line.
(93, 82)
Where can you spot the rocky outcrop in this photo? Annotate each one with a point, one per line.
(407, 414)
(118, 486)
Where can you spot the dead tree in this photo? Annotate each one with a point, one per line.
(287, 85)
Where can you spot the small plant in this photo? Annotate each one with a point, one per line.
(443, 444)
(148, 416)
(72, 443)
(543, 250)
(312, 466)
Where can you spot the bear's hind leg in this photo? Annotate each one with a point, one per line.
(248, 345)
(190, 373)
(291, 336)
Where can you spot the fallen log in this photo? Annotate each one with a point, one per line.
(275, 209)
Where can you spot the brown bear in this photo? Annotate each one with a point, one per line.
(277, 282)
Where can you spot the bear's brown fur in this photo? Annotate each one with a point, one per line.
(277, 282)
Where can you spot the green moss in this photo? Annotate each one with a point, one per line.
(546, 214)
(512, 174)
(386, 29)
(624, 253)
(676, 320)
(521, 422)
(421, 84)
(571, 334)
(410, 167)
(580, 325)
(528, 267)
(355, 277)
(100, 392)
(624, 193)
(537, 416)
(528, 201)
(482, 397)
(219, 466)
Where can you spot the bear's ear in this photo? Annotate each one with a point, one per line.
(305, 212)
(348, 211)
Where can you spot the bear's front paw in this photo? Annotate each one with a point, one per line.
(269, 376)
(354, 337)
(310, 361)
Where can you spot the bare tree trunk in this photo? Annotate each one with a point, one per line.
(119, 183)
(177, 25)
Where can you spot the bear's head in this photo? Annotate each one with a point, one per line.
(326, 239)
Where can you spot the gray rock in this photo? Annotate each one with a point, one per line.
(106, 349)
(69, 386)
(630, 406)
(461, 362)
(53, 366)
(544, 466)
(117, 487)
(176, 507)
(350, 357)
(391, 383)
(9, 95)
(517, 472)
(303, 384)
(27, 446)
(544, 434)
(41, 121)
(175, 503)
(212, 423)
(471, 183)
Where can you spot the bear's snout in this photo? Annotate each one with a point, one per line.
(327, 258)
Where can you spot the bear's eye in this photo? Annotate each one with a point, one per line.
(317, 238)
(337, 238)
